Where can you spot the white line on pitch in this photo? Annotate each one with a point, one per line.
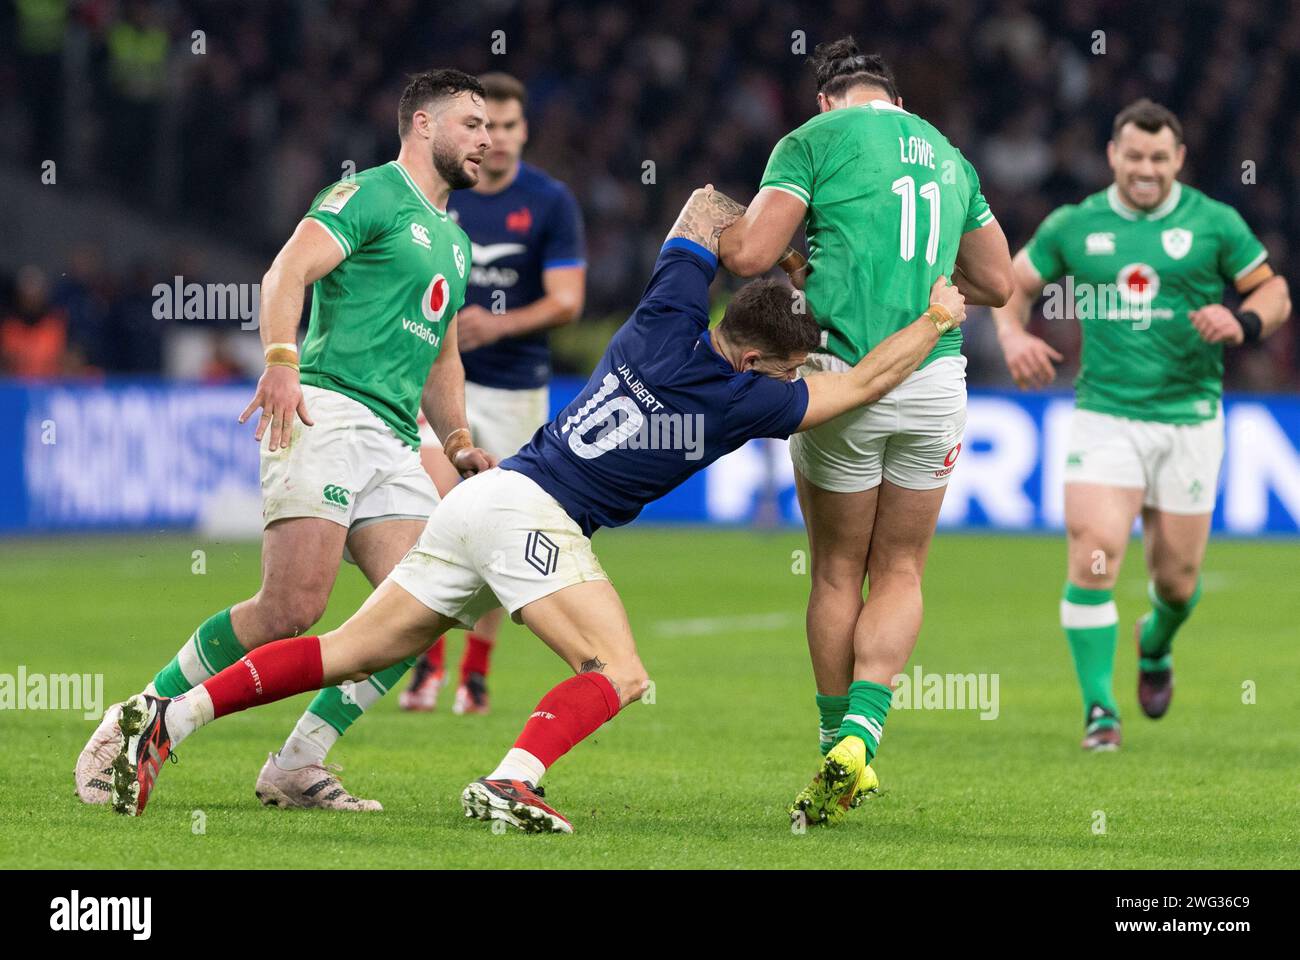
(702, 626)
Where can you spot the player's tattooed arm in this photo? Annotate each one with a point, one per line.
(761, 238)
(706, 214)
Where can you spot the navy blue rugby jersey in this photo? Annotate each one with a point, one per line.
(529, 227)
(661, 405)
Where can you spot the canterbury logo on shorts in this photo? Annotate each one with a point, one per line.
(336, 495)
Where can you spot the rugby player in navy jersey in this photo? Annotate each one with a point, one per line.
(518, 536)
(528, 275)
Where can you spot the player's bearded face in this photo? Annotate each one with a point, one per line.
(453, 164)
(1145, 165)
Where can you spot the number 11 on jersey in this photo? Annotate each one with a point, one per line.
(905, 187)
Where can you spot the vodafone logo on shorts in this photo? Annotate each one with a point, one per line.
(436, 295)
(949, 461)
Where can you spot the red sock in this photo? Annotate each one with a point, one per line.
(570, 713)
(434, 656)
(271, 672)
(478, 649)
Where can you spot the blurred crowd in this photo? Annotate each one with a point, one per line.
(229, 115)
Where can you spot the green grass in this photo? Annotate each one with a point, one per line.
(701, 777)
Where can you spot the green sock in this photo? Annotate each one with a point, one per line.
(209, 650)
(1092, 626)
(868, 706)
(340, 707)
(1158, 631)
(831, 710)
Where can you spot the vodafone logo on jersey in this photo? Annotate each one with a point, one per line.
(436, 296)
(1138, 284)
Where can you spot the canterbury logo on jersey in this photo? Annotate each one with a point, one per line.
(336, 495)
(1099, 244)
(420, 234)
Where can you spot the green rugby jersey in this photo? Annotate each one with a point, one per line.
(888, 201)
(378, 318)
(1132, 278)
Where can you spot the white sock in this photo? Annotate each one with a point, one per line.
(519, 765)
(188, 712)
(310, 741)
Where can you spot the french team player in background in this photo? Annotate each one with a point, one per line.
(529, 276)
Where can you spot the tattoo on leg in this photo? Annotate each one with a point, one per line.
(594, 665)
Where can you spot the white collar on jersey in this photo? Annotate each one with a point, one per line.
(410, 182)
(883, 105)
(1128, 213)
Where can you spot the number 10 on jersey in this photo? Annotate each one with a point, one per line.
(905, 187)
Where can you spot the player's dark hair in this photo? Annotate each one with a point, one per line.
(840, 65)
(1149, 116)
(770, 316)
(502, 86)
(424, 88)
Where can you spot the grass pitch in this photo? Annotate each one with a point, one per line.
(701, 777)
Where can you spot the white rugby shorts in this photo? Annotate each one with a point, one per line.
(1176, 464)
(910, 437)
(497, 539)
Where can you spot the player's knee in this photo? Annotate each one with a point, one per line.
(838, 573)
(1176, 584)
(901, 571)
(1094, 562)
(290, 614)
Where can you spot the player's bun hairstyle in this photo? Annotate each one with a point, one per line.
(762, 315)
(840, 65)
(502, 86)
(424, 88)
(1149, 116)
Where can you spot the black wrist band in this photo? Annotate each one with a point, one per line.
(1251, 325)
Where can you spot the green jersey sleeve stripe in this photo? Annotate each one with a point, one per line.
(1263, 255)
(1038, 271)
(338, 237)
(791, 188)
